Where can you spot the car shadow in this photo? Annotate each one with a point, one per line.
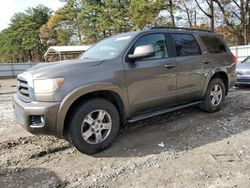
(178, 131)
(29, 177)
(243, 87)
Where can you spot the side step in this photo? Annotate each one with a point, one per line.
(162, 111)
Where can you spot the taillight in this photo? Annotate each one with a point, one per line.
(234, 58)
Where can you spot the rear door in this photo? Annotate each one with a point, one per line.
(189, 60)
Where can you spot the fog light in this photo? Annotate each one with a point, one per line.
(36, 121)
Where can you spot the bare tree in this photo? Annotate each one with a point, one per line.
(188, 9)
(238, 12)
(170, 6)
(243, 7)
(209, 13)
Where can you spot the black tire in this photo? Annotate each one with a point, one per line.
(207, 104)
(80, 114)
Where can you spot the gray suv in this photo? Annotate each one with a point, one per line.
(124, 78)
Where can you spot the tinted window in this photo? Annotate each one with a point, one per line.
(213, 44)
(186, 45)
(157, 41)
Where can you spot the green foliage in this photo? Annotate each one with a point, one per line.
(21, 41)
(77, 22)
(7, 45)
(143, 12)
(100, 19)
(54, 32)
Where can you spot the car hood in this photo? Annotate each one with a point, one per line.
(50, 70)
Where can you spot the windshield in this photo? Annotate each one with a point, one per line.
(247, 60)
(107, 48)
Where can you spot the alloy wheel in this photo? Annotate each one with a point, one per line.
(216, 95)
(96, 126)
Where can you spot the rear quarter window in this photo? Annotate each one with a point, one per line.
(213, 44)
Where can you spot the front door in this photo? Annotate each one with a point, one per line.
(151, 82)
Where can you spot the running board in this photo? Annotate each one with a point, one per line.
(159, 112)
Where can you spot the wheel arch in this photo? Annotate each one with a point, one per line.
(105, 90)
(217, 74)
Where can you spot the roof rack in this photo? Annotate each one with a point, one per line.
(180, 28)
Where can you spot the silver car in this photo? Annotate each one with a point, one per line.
(243, 72)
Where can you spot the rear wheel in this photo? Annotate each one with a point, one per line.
(94, 126)
(215, 95)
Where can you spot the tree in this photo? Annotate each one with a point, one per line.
(100, 19)
(144, 12)
(236, 15)
(88, 21)
(70, 16)
(114, 17)
(171, 7)
(91, 17)
(189, 10)
(209, 13)
(21, 41)
(35, 18)
(9, 47)
(55, 32)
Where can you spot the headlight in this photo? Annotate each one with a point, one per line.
(47, 86)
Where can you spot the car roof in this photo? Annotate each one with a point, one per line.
(170, 30)
(178, 30)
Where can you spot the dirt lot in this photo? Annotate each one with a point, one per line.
(187, 148)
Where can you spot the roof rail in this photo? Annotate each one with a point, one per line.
(180, 28)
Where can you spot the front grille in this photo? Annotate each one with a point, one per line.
(23, 88)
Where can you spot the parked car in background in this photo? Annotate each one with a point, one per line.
(243, 72)
(125, 78)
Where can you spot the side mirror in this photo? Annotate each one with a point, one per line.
(142, 52)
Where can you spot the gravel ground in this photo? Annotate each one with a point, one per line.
(187, 148)
(7, 86)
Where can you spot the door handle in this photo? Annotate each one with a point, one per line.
(169, 66)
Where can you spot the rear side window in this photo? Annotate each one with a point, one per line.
(214, 45)
(185, 45)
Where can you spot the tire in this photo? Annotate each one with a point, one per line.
(210, 102)
(91, 119)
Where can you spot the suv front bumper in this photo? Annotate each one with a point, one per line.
(24, 111)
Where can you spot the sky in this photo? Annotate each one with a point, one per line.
(10, 7)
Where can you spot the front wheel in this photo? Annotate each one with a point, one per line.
(94, 126)
(215, 96)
